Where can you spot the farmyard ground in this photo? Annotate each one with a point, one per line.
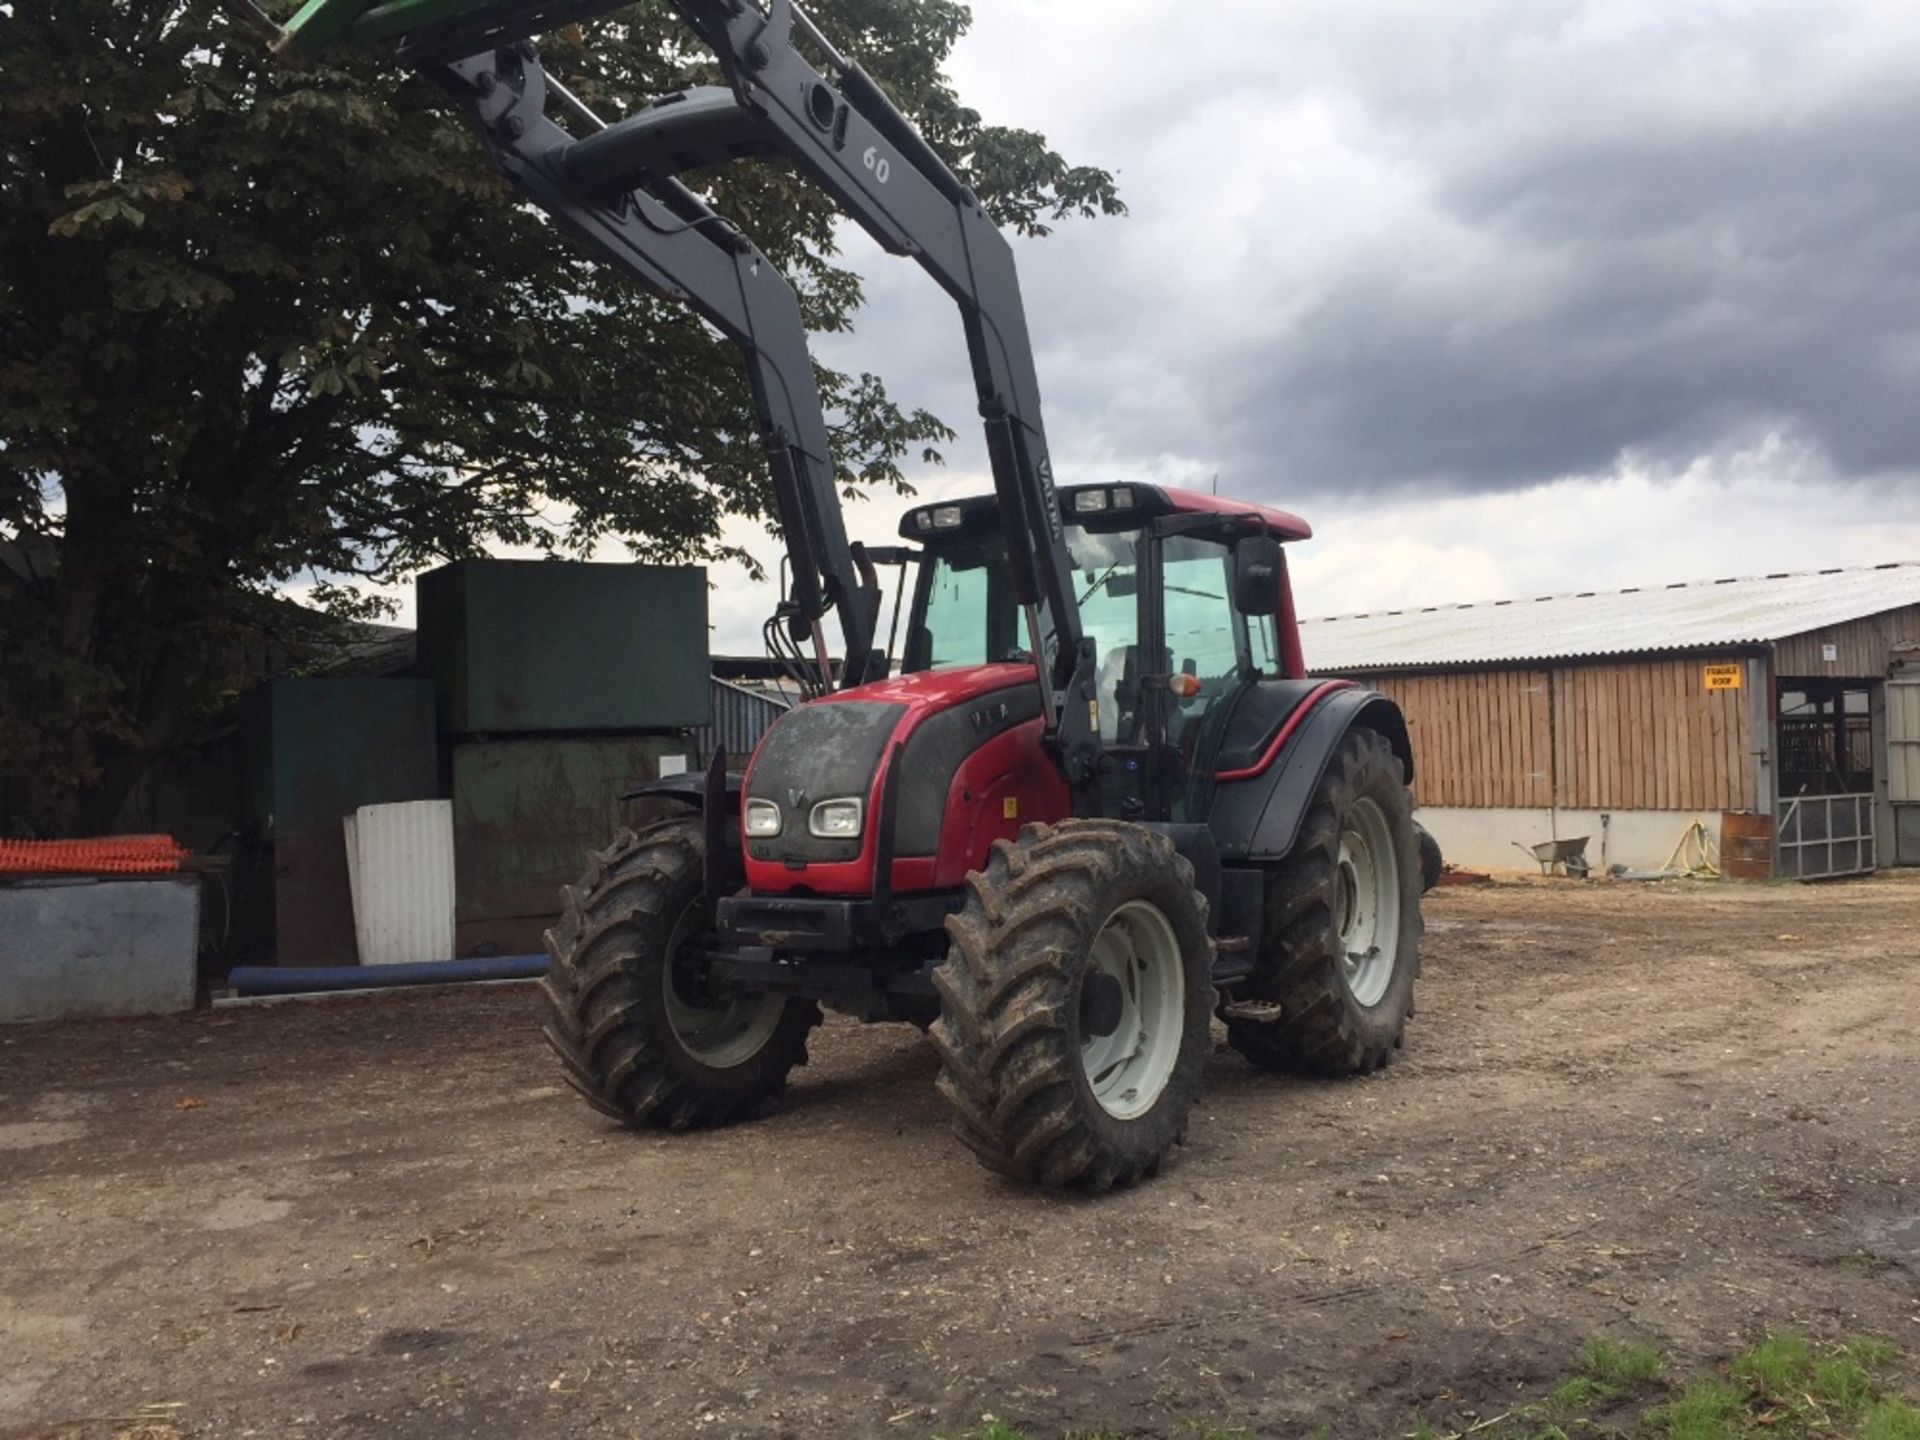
(1686, 1114)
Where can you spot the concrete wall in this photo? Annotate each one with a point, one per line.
(1484, 838)
(98, 947)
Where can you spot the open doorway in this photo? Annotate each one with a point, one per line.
(1824, 741)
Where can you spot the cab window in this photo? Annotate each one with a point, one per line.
(969, 616)
(1202, 629)
(1107, 585)
(1204, 633)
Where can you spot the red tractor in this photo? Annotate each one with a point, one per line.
(1094, 800)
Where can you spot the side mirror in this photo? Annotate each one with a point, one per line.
(1256, 575)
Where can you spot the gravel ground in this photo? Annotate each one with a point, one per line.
(1684, 1113)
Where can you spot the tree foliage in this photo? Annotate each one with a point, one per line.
(262, 324)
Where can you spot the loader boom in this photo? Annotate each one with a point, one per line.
(665, 237)
(851, 140)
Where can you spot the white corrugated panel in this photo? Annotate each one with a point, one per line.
(1696, 615)
(400, 870)
(1903, 741)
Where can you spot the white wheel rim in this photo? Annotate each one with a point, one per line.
(1367, 902)
(1129, 1069)
(720, 1036)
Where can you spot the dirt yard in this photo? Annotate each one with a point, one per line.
(1685, 1114)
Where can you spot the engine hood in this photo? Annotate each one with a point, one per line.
(943, 725)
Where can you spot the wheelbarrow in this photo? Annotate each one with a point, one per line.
(1569, 855)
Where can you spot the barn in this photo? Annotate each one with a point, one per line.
(1790, 702)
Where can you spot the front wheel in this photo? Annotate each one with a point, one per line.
(630, 1015)
(1074, 1004)
(1333, 986)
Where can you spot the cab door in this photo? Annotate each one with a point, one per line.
(1204, 637)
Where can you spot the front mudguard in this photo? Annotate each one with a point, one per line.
(715, 796)
(1257, 819)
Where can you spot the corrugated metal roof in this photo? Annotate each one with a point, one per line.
(1644, 620)
(740, 717)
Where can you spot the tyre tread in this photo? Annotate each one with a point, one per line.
(1319, 1032)
(1007, 1034)
(614, 923)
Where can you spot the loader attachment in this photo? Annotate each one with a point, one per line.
(662, 235)
(841, 130)
(430, 28)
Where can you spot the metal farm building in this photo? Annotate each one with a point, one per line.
(1628, 715)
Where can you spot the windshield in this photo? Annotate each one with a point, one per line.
(971, 617)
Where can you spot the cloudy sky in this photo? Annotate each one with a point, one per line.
(1505, 296)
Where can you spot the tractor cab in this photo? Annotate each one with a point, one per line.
(1185, 598)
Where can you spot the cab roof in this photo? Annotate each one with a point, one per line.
(1104, 502)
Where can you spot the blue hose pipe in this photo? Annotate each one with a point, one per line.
(304, 980)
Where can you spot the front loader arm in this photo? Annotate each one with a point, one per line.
(857, 146)
(855, 143)
(664, 236)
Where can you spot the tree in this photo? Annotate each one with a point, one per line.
(260, 322)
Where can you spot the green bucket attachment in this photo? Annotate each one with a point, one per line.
(440, 28)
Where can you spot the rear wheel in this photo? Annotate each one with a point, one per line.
(1074, 1004)
(630, 1015)
(1432, 864)
(1333, 988)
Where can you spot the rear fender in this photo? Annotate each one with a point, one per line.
(1257, 817)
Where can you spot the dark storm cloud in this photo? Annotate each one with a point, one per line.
(1464, 247)
(1686, 288)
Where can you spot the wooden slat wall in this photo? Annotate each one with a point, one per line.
(1864, 648)
(1479, 737)
(1634, 735)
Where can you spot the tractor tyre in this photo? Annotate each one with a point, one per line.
(1433, 864)
(627, 1014)
(1075, 1002)
(1340, 942)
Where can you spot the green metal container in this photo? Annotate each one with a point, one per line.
(316, 751)
(525, 812)
(530, 646)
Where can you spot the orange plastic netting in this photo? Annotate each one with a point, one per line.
(110, 855)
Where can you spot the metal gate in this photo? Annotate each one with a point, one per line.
(1818, 836)
(1903, 767)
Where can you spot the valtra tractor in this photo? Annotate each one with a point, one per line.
(1094, 799)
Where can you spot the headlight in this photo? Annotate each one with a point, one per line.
(836, 819)
(763, 819)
